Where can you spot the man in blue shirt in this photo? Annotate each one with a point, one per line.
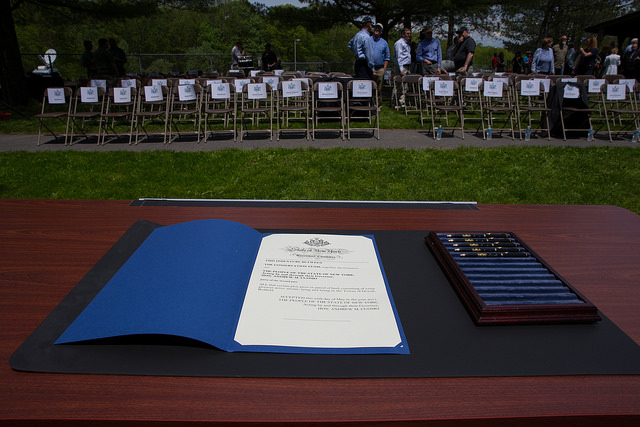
(359, 45)
(379, 58)
(402, 49)
(429, 53)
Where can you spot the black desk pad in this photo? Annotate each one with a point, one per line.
(442, 337)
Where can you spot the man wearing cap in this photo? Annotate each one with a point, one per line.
(429, 54)
(269, 58)
(560, 50)
(379, 58)
(360, 45)
(464, 56)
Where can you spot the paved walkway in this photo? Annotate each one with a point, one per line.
(389, 138)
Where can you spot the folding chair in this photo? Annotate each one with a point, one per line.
(445, 99)
(362, 104)
(56, 104)
(88, 104)
(425, 103)
(328, 104)
(256, 104)
(621, 108)
(412, 92)
(293, 105)
(219, 106)
(531, 99)
(471, 100)
(576, 111)
(497, 105)
(184, 106)
(120, 106)
(152, 106)
(397, 99)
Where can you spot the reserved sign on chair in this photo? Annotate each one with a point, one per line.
(89, 94)
(56, 95)
(361, 89)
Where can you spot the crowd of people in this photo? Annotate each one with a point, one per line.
(106, 61)
(372, 56)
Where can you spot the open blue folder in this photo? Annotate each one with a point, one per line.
(190, 280)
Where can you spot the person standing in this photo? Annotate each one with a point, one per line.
(269, 58)
(105, 64)
(631, 62)
(88, 59)
(570, 59)
(236, 52)
(586, 62)
(360, 46)
(402, 49)
(611, 63)
(543, 62)
(463, 58)
(429, 54)
(119, 57)
(517, 64)
(560, 50)
(379, 57)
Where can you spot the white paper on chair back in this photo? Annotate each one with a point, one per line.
(122, 95)
(186, 93)
(56, 95)
(220, 91)
(89, 94)
(361, 89)
(153, 93)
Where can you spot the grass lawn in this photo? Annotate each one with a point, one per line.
(596, 175)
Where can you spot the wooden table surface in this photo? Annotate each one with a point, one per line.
(49, 245)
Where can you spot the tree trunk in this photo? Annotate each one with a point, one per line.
(12, 80)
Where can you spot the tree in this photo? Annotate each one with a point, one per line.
(12, 79)
(526, 22)
(390, 13)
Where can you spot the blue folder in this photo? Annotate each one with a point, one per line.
(189, 280)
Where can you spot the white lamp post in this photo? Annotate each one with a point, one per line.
(295, 54)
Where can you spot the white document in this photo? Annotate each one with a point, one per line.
(257, 90)
(492, 89)
(361, 89)
(220, 91)
(291, 88)
(322, 291)
(122, 95)
(426, 82)
(328, 90)
(128, 83)
(239, 83)
(187, 93)
(98, 83)
(56, 95)
(530, 88)
(571, 92)
(89, 94)
(159, 82)
(616, 92)
(472, 84)
(272, 81)
(594, 85)
(153, 93)
(443, 88)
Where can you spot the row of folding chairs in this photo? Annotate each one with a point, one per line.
(237, 107)
(517, 103)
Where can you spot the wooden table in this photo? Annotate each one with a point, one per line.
(49, 245)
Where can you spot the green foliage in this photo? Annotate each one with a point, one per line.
(604, 175)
